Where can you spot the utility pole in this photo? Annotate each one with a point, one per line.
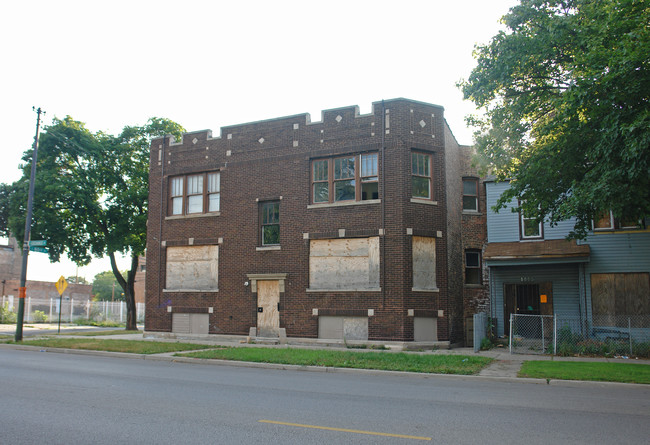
(28, 225)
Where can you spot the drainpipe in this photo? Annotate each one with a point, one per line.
(160, 228)
(383, 204)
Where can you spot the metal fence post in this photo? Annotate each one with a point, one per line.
(511, 334)
(29, 308)
(629, 332)
(50, 310)
(121, 310)
(71, 308)
(555, 334)
(541, 320)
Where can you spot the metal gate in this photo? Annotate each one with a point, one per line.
(531, 334)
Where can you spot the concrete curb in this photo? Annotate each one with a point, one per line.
(166, 357)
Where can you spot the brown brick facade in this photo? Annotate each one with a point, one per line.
(272, 161)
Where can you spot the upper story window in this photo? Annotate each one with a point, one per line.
(529, 227)
(606, 221)
(473, 267)
(270, 223)
(345, 178)
(194, 194)
(421, 175)
(470, 195)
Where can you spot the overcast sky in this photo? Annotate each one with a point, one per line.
(208, 64)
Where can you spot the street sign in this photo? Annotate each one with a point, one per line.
(61, 285)
(38, 249)
(38, 242)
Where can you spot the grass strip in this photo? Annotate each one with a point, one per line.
(436, 364)
(596, 371)
(130, 346)
(99, 333)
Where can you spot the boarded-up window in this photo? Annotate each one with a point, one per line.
(617, 294)
(424, 263)
(192, 268)
(346, 264)
(343, 328)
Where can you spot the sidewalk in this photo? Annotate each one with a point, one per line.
(505, 365)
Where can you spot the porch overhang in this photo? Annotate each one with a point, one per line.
(536, 252)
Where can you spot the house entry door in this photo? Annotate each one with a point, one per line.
(528, 299)
(268, 315)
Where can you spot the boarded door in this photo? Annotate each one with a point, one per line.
(268, 315)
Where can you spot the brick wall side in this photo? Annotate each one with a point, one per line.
(279, 168)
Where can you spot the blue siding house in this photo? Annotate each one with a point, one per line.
(534, 269)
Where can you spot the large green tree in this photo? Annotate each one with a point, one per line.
(565, 92)
(91, 195)
(6, 190)
(105, 287)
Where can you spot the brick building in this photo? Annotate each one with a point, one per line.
(11, 260)
(349, 228)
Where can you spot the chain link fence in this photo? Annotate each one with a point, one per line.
(70, 310)
(603, 335)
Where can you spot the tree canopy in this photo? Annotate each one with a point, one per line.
(5, 196)
(91, 195)
(105, 287)
(565, 92)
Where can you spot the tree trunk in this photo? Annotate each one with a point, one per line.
(128, 286)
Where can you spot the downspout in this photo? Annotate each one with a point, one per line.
(383, 205)
(160, 220)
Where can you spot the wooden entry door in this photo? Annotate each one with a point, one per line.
(268, 315)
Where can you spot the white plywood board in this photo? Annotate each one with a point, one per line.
(424, 262)
(344, 263)
(192, 267)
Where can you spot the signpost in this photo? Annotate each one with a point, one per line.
(61, 285)
(38, 249)
(38, 242)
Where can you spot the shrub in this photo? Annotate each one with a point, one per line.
(6, 315)
(39, 317)
(486, 344)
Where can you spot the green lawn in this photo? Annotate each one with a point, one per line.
(437, 364)
(131, 346)
(597, 371)
(100, 333)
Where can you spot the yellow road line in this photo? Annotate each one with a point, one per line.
(345, 430)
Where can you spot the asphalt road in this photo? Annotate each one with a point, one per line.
(69, 399)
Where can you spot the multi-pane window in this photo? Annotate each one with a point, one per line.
(421, 175)
(470, 195)
(320, 177)
(472, 267)
(194, 194)
(530, 228)
(606, 221)
(369, 177)
(214, 192)
(270, 223)
(176, 195)
(346, 178)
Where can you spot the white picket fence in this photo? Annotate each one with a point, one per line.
(71, 310)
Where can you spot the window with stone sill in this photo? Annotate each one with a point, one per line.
(470, 195)
(194, 194)
(345, 179)
(421, 179)
(270, 223)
